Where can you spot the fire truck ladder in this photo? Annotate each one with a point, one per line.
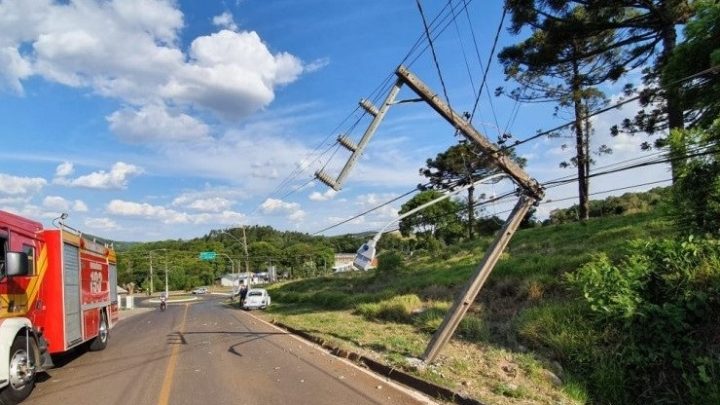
(531, 192)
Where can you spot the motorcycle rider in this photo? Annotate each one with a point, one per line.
(163, 301)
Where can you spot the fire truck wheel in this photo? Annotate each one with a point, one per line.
(22, 373)
(101, 340)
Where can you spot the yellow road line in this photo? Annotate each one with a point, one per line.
(168, 380)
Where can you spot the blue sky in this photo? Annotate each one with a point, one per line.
(149, 120)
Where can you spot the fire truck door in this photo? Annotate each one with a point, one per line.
(71, 286)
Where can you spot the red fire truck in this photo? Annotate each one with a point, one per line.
(58, 290)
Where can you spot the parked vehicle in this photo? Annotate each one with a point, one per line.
(58, 290)
(200, 290)
(256, 298)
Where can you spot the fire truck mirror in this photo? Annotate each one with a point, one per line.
(16, 264)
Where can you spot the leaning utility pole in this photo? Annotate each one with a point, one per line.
(531, 192)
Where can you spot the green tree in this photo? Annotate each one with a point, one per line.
(699, 52)
(263, 254)
(458, 166)
(697, 190)
(439, 220)
(557, 64)
(642, 35)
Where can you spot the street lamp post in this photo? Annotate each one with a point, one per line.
(247, 269)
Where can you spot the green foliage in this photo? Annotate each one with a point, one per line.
(696, 191)
(699, 51)
(461, 165)
(397, 309)
(628, 203)
(613, 291)
(664, 301)
(389, 263)
(439, 220)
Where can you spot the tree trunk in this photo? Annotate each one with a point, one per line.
(580, 144)
(672, 95)
(471, 212)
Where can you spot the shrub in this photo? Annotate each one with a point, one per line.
(664, 300)
(396, 309)
(430, 319)
(389, 263)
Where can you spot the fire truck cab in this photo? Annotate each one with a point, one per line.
(58, 290)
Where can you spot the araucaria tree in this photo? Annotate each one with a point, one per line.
(557, 64)
(459, 166)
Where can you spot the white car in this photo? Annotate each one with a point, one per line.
(200, 290)
(256, 298)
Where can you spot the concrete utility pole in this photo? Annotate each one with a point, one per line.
(167, 291)
(357, 150)
(247, 264)
(151, 275)
(531, 192)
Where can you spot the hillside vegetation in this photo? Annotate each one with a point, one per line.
(556, 322)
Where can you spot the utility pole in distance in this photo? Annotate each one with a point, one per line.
(151, 275)
(247, 264)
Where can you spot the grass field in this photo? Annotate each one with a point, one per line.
(526, 337)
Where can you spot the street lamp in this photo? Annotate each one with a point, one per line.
(244, 242)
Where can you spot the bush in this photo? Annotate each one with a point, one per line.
(430, 319)
(696, 191)
(664, 301)
(389, 263)
(396, 309)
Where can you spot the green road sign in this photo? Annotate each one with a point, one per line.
(207, 255)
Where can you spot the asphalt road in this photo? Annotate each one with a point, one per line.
(207, 353)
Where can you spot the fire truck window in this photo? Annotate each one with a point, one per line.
(30, 251)
(3, 249)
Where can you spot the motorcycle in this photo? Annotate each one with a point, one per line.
(163, 304)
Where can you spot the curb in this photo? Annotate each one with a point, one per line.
(426, 387)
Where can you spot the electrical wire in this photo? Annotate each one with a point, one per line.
(432, 49)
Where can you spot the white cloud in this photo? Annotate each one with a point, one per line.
(13, 69)
(116, 178)
(145, 210)
(225, 20)
(153, 123)
(317, 64)
(232, 73)
(327, 195)
(214, 204)
(13, 185)
(79, 206)
(273, 205)
(297, 216)
(64, 169)
(56, 203)
(171, 216)
(130, 50)
(106, 224)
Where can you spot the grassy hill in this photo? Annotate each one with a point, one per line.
(526, 337)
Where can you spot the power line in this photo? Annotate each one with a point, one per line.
(436, 22)
(367, 212)
(432, 49)
(608, 108)
(559, 182)
(487, 67)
